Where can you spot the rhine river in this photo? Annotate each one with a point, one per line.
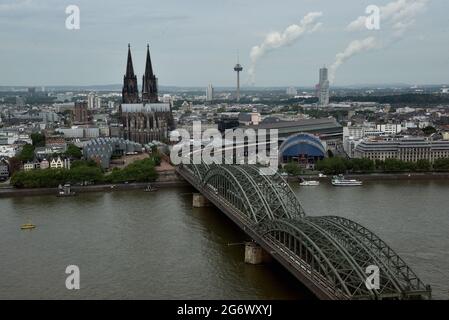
(137, 245)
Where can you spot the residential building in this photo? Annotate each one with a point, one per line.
(58, 163)
(210, 93)
(9, 151)
(91, 101)
(28, 166)
(4, 170)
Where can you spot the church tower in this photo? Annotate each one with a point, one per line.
(130, 91)
(149, 82)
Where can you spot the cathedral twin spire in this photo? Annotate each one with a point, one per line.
(130, 91)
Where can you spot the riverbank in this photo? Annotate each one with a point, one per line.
(384, 176)
(171, 180)
(13, 192)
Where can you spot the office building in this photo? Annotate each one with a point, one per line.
(323, 88)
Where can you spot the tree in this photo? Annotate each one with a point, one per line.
(14, 165)
(138, 171)
(84, 163)
(441, 165)
(334, 165)
(27, 153)
(53, 177)
(423, 165)
(38, 140)
(429, 130)
(361, 165)
(293, 169)
(73, 152)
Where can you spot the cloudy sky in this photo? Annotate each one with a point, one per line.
(195, 42)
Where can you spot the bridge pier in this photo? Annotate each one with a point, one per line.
(254, 254)
(200, 201)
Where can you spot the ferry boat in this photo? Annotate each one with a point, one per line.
(340, 181)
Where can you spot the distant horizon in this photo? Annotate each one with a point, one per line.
(118, 86)
(194, 44)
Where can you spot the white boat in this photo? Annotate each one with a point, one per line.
(309, 183)
(340, 181)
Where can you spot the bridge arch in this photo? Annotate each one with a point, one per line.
(331, 253)
(239, 190)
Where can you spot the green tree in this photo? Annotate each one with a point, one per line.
(429, 130)
(27, 153)
(14, 165)
(83, 163)
(138, 171)
(73, 152)
(38, 140)
(334, 165)
(361, 165)
(49, 178)
(441, 165)
(423, 165)
(293, 169)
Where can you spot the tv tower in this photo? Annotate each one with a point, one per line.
(238, 68)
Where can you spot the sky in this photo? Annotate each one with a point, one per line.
(197, 42)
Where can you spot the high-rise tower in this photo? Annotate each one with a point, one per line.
(238, 68)
(130, 91)
(323, 88)
(149, 82)
(210, 93)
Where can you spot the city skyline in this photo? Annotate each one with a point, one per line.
(40, 51)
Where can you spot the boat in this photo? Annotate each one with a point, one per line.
(65, 191)
(150, 188)
(308, 183)
(341, 181)
(27, 226)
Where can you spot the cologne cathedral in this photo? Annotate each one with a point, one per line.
(144, 118)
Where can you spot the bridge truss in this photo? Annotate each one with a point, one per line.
(329, 254)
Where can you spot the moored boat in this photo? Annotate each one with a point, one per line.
(65, 191)
(309, 183)
(341, 181)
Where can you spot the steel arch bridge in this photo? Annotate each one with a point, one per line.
(328, 254)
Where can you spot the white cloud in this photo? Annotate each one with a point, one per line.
(398, 15)
(354, 48)
(275, 40)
